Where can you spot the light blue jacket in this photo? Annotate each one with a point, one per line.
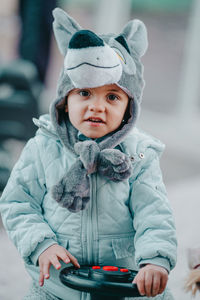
(128, 223)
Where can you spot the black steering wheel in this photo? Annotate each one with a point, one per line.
(102, 282)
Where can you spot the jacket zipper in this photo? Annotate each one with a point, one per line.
(89, 226)
(92, 221)
(95, 222)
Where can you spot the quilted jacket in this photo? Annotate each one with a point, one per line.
(127, 223)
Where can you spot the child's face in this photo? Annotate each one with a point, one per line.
(96, 112)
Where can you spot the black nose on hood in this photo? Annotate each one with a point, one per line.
(84, 39)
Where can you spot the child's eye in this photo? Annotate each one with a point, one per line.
(112, 97)
(84, 93)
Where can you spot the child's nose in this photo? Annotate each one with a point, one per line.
(97, 105)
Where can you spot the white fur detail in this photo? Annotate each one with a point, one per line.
(93, 66)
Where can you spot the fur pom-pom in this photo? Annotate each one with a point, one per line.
(73, 190)
(89, 152)
(79, 204)
(114, 165)
(57, 191)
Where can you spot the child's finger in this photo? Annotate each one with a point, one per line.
(163, 284)
(55, 262)
(148, 283)
(73, 260)
(156, 285)
(139, 280)
(41, 279)
(45, 270)
(64, 256)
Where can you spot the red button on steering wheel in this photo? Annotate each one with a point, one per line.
(96, 267)
(110, 268)
(124, 270)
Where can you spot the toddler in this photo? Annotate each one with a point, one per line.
(88, 188)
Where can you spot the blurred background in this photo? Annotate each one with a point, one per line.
(29, 67)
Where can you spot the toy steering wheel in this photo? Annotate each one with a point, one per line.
(102, 282)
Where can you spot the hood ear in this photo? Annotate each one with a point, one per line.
(136, 34)
(64, 27)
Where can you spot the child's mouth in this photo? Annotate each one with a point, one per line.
(95, 121)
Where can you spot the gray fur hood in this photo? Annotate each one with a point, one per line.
(91, 61)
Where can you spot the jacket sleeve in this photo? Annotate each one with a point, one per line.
(155, 238)
(21, 204)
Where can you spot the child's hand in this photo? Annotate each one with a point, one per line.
(151, 280)
(51, 256)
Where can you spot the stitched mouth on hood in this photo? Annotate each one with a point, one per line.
(85, 63)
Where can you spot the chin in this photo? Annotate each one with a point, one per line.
(94, 136)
